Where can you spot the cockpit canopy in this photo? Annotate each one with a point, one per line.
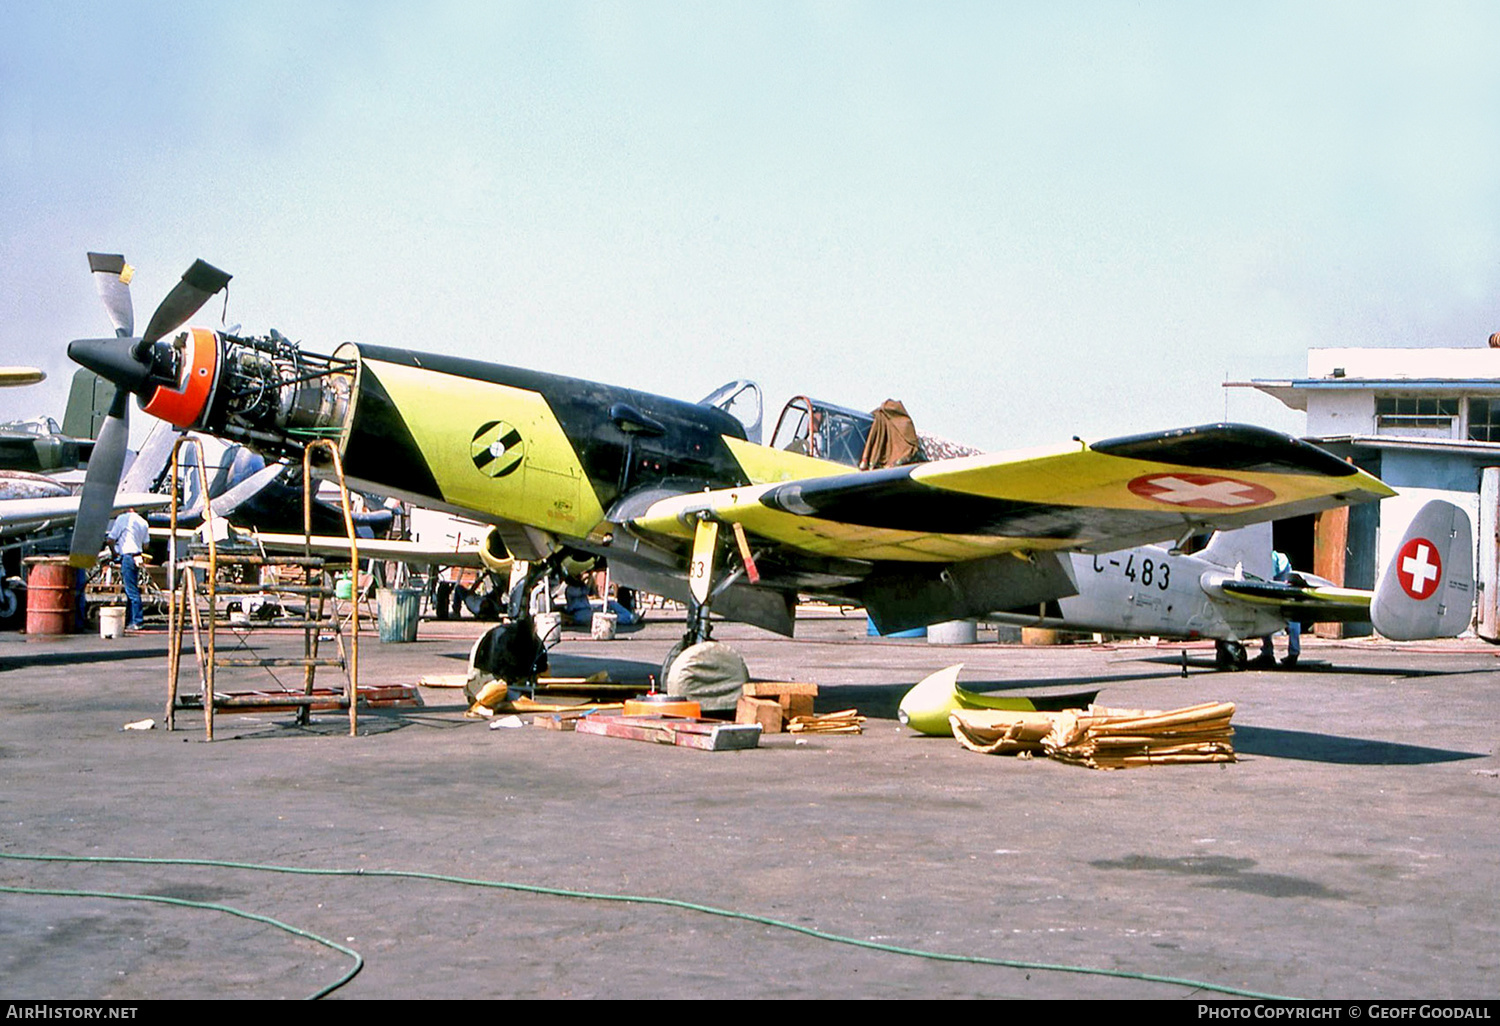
(741, 400)
(815, 428)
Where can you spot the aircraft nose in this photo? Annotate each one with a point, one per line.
(113, 359)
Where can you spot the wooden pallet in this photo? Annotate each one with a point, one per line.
(705, 735)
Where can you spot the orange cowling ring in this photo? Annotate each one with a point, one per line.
(184, 405)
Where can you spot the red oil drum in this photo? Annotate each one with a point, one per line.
(51, 596)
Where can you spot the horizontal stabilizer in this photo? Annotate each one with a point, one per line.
(1309, 599)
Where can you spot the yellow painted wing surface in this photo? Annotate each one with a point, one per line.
(1107, 496)
(1313, 603)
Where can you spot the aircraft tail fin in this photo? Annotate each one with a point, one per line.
(1427, 591)
(88, 404)
(1248, 547)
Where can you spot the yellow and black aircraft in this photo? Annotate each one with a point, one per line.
(564, 467)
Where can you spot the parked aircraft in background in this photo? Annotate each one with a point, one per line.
(1225, 592)
(37, 504)
(38, 445)
(563, 467)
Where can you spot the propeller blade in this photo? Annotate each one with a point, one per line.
(200, 282)
(112, 278)
(230, 500)
(153, 459)
(96, 501)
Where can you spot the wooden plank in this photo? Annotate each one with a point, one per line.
(394, 696)
(276, 661)
(765, 711)
(700, 734)
(795, 706)
(777, 688)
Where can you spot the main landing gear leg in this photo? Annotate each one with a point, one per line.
(704, 590)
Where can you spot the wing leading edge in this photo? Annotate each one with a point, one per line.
(1110, 495)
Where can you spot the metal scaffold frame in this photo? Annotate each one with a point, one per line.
(187, 604)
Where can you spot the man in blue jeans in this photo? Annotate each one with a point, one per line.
(128, 536)
(1281, 570)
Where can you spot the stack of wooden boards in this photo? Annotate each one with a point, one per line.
(705, 735)
(1103, 738)
(847, 721)
(774, 704)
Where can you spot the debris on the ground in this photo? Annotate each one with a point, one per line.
(766, 712)
(139, 725)
(1101, 737)
(489, 698)
(927, 706)
(847, 721)
(706, 735)
(772, 703)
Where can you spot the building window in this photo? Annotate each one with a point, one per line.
(1484, 420)
(1411, 416)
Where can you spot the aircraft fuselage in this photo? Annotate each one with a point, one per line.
(1148, 591)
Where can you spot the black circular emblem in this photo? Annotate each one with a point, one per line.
(497, 449)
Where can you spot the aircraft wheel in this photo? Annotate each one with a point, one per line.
(1230, 655)
(12, 607)
(666, 664)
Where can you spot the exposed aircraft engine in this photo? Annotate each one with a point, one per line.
(273, 395)
(265, 392)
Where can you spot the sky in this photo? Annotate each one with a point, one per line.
(1028, 221)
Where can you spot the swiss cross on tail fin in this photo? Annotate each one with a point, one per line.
(1427, 591)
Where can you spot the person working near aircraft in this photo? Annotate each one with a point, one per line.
(127, 537)
(1281, 570)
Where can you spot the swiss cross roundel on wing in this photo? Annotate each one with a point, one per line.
(1419, 568)
(1200, 491)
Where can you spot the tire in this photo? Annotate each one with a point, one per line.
(666, 664)
(1230, 655)
(709, 673)
(12, 608)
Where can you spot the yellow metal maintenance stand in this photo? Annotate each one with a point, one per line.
(198, 604)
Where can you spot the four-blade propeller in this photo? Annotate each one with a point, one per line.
(134, 364)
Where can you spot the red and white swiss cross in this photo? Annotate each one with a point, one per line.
(1419, 568)
(1200, 491)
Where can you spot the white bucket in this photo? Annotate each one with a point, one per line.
(603, 626)
(111, 621)
(954, 632)
(549, 628)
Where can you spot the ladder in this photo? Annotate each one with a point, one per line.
(197, 604)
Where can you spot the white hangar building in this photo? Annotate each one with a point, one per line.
(1427, 423)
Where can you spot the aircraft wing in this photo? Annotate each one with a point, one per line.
(23, 516)
(10, 376)
(1102, 497)
(338, 547)
(374, 548)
